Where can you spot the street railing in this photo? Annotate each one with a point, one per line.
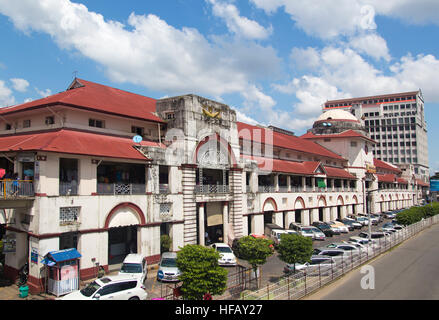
(294, 286)
(10, 189)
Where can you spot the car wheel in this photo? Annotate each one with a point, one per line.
(134, 298)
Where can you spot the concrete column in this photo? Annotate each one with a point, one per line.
(201, 224)
(326, 214)
(276, 182)
(258, 224)
(289, 183)
(226, 222)
(279, 219)
(305, 217)
(289, 219)
(304, 183)
(253, 182)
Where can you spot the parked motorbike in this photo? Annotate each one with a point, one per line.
(23, 275)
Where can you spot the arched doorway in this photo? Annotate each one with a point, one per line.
(122, 223)
(299, 205)
(322, 206)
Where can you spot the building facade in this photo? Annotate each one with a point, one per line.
(197, 175)
(397, 123)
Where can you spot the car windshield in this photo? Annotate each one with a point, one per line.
(323, 226)
(307, 230)
(168, 262)
(90, 289)
(317, 251)
(224, 249)
(131, 268)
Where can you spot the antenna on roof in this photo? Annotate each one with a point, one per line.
(75, 73)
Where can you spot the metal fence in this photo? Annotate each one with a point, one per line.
(297, 285)
(212, 188)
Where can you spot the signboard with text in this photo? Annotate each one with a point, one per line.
(434, 185)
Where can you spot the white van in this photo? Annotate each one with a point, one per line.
(134, 265)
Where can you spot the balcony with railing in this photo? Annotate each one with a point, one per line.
(69, 188)
(13, 189)
(212, 188)
(121, 188)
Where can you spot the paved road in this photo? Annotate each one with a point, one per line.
(407, 272)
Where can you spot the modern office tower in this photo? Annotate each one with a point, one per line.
(397, 123)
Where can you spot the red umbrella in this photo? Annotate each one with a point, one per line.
(2, 172)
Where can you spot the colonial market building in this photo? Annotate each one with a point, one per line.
(197, 175)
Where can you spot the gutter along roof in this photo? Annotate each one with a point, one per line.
(302, 168)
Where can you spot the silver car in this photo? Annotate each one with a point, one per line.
(168, 270)
(319, 263)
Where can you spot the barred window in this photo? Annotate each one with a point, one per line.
(69, 215)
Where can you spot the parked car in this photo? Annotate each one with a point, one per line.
(341, 226)
(277, 233)
(396, 225)
(353, 223)
(339, 255)
(227, 257)
(388, 227)
(318, 234)
(363, 220)
(344, 246)
(374, 219)
(118, 287)
(321, 263)
(302, 230)
(134, 265)
(168, 270)
(390, 215)
(325, 228)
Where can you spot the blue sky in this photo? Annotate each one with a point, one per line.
(274, 61)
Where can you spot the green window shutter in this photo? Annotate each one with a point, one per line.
(321, 183)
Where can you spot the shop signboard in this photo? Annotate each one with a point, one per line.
(9, 243)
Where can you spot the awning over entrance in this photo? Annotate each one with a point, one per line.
(54, 257)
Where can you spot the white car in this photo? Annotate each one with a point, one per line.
(227, 258)
(363, 220)
(134, 265)
(340, 226)
(168, 270)
(318, 234)
(110, 288)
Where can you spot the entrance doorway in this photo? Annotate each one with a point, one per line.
(339, 212)
(321, 214)
(298, 216)
(121, 241)
(268, 217)
(214, 224)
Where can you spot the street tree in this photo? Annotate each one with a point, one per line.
(295, 248)
(201, 273)
(255, 251)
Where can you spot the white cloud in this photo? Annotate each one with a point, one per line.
(371, 44)
(20, 85)
(44, 93)
(149, 52)
(343, 73)
(325, 18)
(6, 97)
(305, 59)
(237, 24)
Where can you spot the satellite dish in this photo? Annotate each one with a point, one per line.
(137, 139)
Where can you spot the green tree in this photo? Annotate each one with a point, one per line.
(294, 248)
(255, 250)
(201, 273)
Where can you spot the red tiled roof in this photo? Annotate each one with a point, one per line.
(333, 172)
(345, 134)
(402, 181)
(277, 165)
(390, 178)
(284, 141)
(422, 183)
(74, 142)
(384, 165)
(96, 97)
